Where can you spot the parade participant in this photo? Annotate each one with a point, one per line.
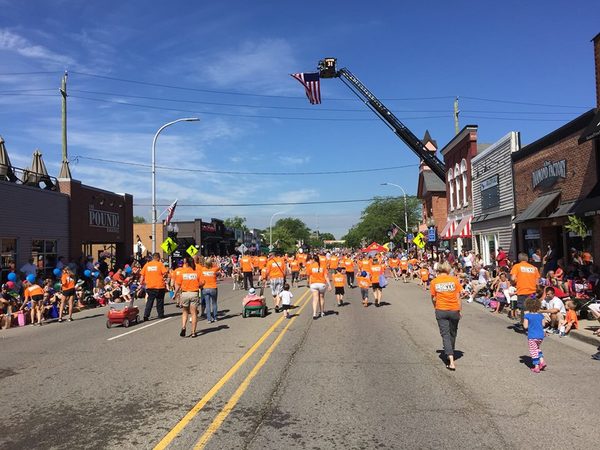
(173, 277)
(532, 322)
(153, 274)
(404, 268)
(376, 270)
(526, 277)
(276, 274)
(334, 262)
(338, 284)
(295, 269)
(445, 296)
(209, 273)
(318, 280)
(364, 283)
(247, 269)
(187, 286)
(286, 300)
(35, 294)
(261, 262)
(349, 267)
(424, 275)
(394, 265)
(67, 284)
(323, 261)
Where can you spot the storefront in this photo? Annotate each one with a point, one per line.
(493, 198)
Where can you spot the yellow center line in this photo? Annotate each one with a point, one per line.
(218, 421)
(217, 387)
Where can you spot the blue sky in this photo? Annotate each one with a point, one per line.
(512, 51)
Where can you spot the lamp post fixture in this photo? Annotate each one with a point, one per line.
(405, 207)
(271, 229)
(154, 219)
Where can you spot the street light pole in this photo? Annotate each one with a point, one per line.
(271, 229)
(185, 119)
(405, 211)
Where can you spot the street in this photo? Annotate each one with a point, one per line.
(358, 378)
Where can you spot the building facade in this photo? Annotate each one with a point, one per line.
(493, 198)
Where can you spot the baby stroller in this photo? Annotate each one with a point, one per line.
(254, 305)
(123, 313)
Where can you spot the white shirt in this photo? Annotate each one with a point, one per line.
(286, 297)
(555, 303)
(482, 276)
(469, 260)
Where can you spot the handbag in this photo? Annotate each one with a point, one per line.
(382, 281)
(21, 318)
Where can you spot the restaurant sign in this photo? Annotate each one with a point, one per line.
(104, 219)
(549, 174)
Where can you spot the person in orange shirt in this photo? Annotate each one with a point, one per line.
(262, 262)
(173, 277)
(571, 320)
(295, 269)
(376, 270)
(445, 295)
(67, 284)
(338, 284)
(209, 273)
(526, 277)
(364, 283)
(318, 280)
(323, 261)
(404, 268)
(334, 262)
(276, 275)
(424, 275)
(187, 287)
(153, 274)
(394, 264)
(348, 264)
(247, 269)
(34, 293)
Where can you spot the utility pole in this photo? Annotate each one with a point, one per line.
(456, 113)
(65, 172)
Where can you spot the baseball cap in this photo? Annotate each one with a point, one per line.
(251, 291)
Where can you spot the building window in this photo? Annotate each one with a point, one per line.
(451, 185)
(44, 255)
(463, 174)
(457, 181)
(8, 254)
(490, 193)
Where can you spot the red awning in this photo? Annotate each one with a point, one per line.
(448, 230)
(463, 230)
(374, 247)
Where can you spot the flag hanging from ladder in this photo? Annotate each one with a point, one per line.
(171, 211)
(312, 85)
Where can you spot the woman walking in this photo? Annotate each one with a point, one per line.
(445, 295)
(318, 280)
(210, 273)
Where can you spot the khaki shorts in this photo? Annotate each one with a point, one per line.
(188, 299)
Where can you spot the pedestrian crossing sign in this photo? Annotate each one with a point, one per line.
(419, 240)
(169, 245)
(192, 250)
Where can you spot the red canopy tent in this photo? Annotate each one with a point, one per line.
(374, 247)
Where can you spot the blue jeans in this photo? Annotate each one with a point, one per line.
(210, 298)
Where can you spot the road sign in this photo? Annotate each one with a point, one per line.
(410, 236)
(242, 248)
(192, 250)
(419, 240)
(169, 245)
(431, 237)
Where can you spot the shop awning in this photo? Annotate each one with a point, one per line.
(491, 216)
(590, 204)
(538, 206)
(564, 209)
(463, 230)
(448, 230)
(592, 131)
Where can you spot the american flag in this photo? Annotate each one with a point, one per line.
(171, 210)
(312, 85)
(394, 232)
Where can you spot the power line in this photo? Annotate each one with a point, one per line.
(526, 119)
(230, 172)
(275, 203)
(522, 103)
(9, 74)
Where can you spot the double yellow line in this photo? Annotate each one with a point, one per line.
(218, 421)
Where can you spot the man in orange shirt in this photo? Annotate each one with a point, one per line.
(333, 263)
(295, 269)
(404, 268)
(394, 264)
(153, 274)
(276, 275)
(526, 277)
(348, 265)
(247, 269)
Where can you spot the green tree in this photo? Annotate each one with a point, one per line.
(317, 240)
(377, 218)
(139, 219)
(287, 232)
(236, 222)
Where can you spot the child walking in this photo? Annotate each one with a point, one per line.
(533, 323)
(364, 283)
(286, 300)
(338, 283)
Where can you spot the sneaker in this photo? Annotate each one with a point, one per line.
(543, 366)
(315, 317)
(596, 356)
(70, 319)
(535, 370)
(60, 320)
(562, 334)
(182, 333)
(322, 314)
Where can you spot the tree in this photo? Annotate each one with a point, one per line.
(238, 223)
(377, 218)
(139, 219)
(318, 240)
(287, 232)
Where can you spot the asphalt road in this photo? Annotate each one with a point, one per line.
(359, 378)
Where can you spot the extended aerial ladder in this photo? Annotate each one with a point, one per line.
(327, 69)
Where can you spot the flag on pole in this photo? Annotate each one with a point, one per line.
(312, 85)
(171, 211)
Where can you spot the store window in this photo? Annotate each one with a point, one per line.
(8, 253)
(463, 175)
(44, 254)
(457, 180)
(490, 193)
(451, 185)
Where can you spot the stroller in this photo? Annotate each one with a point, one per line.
(123, 313)
(254, 304)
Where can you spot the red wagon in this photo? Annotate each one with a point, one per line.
(123, 313)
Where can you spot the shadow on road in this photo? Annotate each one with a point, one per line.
(457, 355)
(213, 329)
(525, 359)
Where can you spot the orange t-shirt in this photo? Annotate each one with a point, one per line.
(365, 265)
(294, 265)
(376, 270)
(338, 280)
(275, 268)
(188, 279)
(33, 291)
(363, 282)
(262, 261)
(349, 265)
(446, 291)
(572, 317)
(526, 277)
(67, 282)
(323, 261)
(154, 273)
(424, 274)
(209, 276)
(394, 262)
(403, 264)
(333, 262)
(301, 257)
(246, 264)
(316, 273)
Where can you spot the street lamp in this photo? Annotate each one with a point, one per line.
(185, 119)
(271, 229)
(405, 211)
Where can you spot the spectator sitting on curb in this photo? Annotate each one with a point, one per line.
(553, 309)
(571, 320)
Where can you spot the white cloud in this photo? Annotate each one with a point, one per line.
(16, 43)
(294, 160)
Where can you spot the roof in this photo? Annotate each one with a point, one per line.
(427, 138)
(432, 182)
(566, 130)
(564, 209)
(461, 134)
(537, 207)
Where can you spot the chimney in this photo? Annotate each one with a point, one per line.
(596, 42)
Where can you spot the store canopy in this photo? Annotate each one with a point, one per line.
(590, 203)
(538, 206)
(448, 230)
(374, 247)
(564, 209)
(463, 230)
(593, 129)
